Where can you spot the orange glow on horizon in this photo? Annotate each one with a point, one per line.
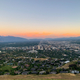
(71, 35)
(35, 35)
(46, 35)
(41, 35)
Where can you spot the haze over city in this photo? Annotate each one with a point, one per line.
(40, 18)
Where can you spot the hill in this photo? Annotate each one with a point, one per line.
(64, 38)
(20, 39)
(64, 76)
(66, 66)
(12, 39)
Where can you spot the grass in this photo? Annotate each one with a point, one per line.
(66, 66)
(6, 67)
(41, 59)
(65, 76)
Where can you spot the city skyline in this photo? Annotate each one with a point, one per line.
(40, 18)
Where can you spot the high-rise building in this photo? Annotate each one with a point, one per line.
(38, 47)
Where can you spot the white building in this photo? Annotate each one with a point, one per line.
(33, 51)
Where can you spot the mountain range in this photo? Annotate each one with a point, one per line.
(12, 39)
(20, 39)
(64, 38)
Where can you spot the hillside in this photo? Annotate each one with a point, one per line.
(66, 66)
(64, 38)
(11, 39)
(65, 76)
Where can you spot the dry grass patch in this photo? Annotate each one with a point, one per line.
(64, 76)
(41, 59)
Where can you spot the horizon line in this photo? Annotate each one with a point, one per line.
(40, 37)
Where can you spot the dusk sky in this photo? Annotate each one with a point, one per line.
(40, 18)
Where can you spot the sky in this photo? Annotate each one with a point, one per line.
(40, 18)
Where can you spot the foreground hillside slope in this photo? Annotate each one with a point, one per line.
(67, 76)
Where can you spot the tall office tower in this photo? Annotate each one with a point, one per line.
(38, 47)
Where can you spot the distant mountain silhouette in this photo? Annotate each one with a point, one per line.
(19, 39)
(11, 39)
(65, 38)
